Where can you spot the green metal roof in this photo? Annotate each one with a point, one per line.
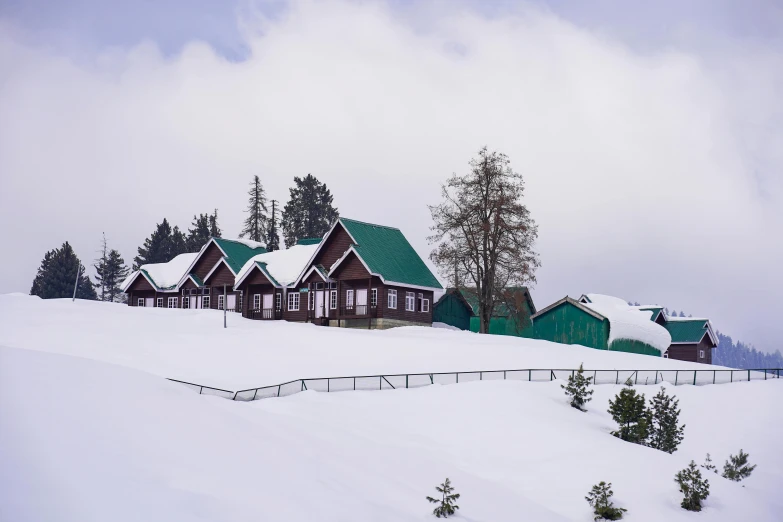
(690, 331)
(237, 252)
(262, 266)
(309, 241)
(501, 309)
(386, 252)
(196, 279)
(654, 309)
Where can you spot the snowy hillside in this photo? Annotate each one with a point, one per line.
(86, 441)
(191, 345)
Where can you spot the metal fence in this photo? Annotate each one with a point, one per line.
(417, 380)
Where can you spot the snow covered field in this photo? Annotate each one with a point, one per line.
(87, 441)
(191, 345)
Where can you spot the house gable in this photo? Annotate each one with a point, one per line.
(206, 260)
(220, 275)
(140, 284)
(350, 267)
(333, 247)
(569, 322)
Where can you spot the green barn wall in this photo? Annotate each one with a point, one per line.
(567, 324)
(632, 346)
(507, 325)
(450, 309)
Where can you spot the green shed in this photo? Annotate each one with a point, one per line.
(459, 307)
(452, 309)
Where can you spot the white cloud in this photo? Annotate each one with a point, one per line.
(652, 176)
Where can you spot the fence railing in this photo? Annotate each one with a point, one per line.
(417, 380)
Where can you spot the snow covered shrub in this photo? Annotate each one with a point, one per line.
(693, 487)
(446, 502)
(577, 389)
(599, 499)
(629, 410)
(736, 468)
(708, 465)
(665, 434)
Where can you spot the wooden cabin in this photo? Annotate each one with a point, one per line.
(512, 315)
(156, 284)
(692, 339)
(358, 275)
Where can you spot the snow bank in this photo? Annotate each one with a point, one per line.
(284, 265)
(627, 322)
(87, 441)
(191, 345)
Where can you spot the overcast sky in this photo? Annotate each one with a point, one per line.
(650, 136)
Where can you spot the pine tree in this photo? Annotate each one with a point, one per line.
(630, 412)
(309, 211)
(665, 434)
(57, 274)
(708, 465)
(693, 487)
(162, 246)
(446, 503)
(100, 268)
(116, 272)
(272, 234)
(214, 229)
(255, 223)
(577, 389)
(737, 468)
(199, 233)
(599, 499)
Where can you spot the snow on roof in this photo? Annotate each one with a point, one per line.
(283, 265)
(167, 275)
(677, 318)
(132, 274)
(247, 242)
(628, 322)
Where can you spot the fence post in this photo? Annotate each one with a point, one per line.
(328, 383)
(713, 376)
(406, 381)
(278, 390)
(765, 374)
(676, 376)
(731, 372)
(457, 377)
(636, 377)
(504, 375)
(694, 377)
(656, 376)
(481, 376)
(617, 379)
(748, 375)
(432, 381)
(551, 375)
(200, 387)
(354, 382)
(572, 373)
(595, 377)
(529, 375)
(380, 382)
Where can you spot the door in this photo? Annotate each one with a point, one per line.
(361, 301)
(232, 302)
(149, 302)
(319, 304)
(267, 312)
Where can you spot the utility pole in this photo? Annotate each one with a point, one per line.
(76, 283)
(225, 301)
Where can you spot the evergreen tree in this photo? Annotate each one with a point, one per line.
(674, 313)
(273, 232)
(214, 229)
(446, 505)
(57, 274)
(199, 233)
(708, 465)
(577, 389)
(682, 314)
(599, 499)
(693, 487)
(630, 412)
(665, 434)
(737, 468)
(255, 223)
(100, 268)
(162, 246)
(309, 211)
(115, 274)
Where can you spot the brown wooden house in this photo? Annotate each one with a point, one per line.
(156, 284)
(693, 339)
(357, 275)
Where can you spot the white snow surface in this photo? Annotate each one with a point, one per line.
(628, 322)
(193, 346)
(247, 242)
(166, 274)
(87, 441)
(284, 265)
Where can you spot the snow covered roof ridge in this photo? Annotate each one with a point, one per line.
(284, 266)
(163, 276)
(628, 322)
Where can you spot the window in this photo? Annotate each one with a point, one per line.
(349, 298)
(391, 299)
(666, 355)
(256, 301)
(425, 305)
(140, 302)
(374, 297)
(172, 302)
(279, 302)
(239, 301)
(159, 302)
(701, 354)
(205, 302)
(221, 302)
(311, 300)
(333, 299)
(186, 302)
(293, 301)
(410, 301)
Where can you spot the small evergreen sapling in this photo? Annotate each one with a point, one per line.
(693, 487)
(577, 389)
(737, 468)
(446, 503)
(708, 465)
(665, 434)
(599, 499)
(629, 410)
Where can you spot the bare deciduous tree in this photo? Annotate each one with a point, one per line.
(485, 234)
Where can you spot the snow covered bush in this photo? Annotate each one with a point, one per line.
(665, 434)
(577, 389)
(599, 499)
(708, 465)
(693, 487)
(629, 410)
(446, 503)
(737, 468)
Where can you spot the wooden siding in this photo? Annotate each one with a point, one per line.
(567, 324)
(690, 352)
(351, 268)
(188, 284)
(222, 275)
(519, 326)
(314, 277)
(333, 248)
(140, 285)
(452, 310)
(206, 261)
(296, 315)
(400, 313)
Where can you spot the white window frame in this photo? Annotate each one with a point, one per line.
(425, 305)
(278, 301)
(374, 298)
(410, 301)
(159, 302)
(185, 301)
(172, 300)
(140, 302)
(701, 354)
(221, 302)
(349, 298)
(205, 301)
(239, 301)
(293, 301)
(256, 301)
(666, 355)
(333, 299)
(391, 299)
(310, 300)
